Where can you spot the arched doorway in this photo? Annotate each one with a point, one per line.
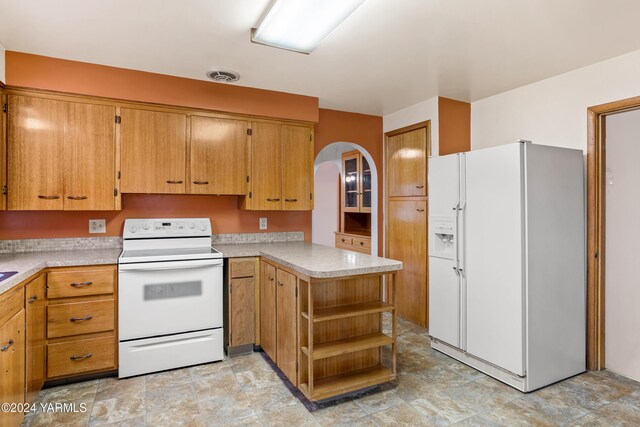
(328, 169)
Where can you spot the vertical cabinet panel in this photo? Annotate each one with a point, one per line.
(242, 309)
(351, 182)
(12, 370)
(266, 165)
(3, 152)
(407, 164)
(218, 160)
(35, 132)
(36, 335)
(153, 147)
(297, 168)
(89, 157)
(268, 309)
(287, 346)
(407, 242)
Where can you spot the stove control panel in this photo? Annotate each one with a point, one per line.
(166, 227)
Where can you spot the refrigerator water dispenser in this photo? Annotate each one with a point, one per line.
(443, 237)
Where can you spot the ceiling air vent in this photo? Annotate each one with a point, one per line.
(223, 76)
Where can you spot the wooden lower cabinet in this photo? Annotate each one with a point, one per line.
(354, 242)
(268, 303)
(12, 366)
(80, 356)
(286, 325)
(242, 300)
(36, 313)
(407, 242)
(78, 318)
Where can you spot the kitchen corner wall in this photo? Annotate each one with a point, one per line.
(82, 78)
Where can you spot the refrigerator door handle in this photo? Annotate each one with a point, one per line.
(456, 271)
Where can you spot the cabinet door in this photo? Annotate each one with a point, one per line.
(153, 151)
(350, 182)
(268, 309)
(407, 242)
(297, 168)
(365, 185)
(219, 151)
(266, 166)
(242, 309)
(287, 345)
(35, 132)
(407, 163)
(36, 333)
(3, 152)
(12, 367)
(89, 155)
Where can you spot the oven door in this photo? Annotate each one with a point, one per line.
(169, 297)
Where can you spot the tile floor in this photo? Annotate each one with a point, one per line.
(432, 390)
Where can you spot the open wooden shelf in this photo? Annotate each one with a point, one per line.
(351, 310)
(344, 383)
(348, 345)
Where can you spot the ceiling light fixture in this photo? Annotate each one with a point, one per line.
(301, 25)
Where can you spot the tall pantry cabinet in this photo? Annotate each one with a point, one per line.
(406, 153)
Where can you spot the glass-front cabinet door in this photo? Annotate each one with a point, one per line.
(365, 193)
(351, 183)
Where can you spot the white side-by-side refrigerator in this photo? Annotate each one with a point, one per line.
(507, 261)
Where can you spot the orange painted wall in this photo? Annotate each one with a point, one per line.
(361, 129)
(42, 72)
(81, 78)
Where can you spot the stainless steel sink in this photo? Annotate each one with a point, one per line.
(6, 274)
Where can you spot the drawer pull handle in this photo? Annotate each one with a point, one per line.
(170, 181)
(419, 186)
(81, 284)
(48, 197)
(273, 200)
(290, 200)
(81, 319)
(420, 210)
(33, 299)
(201, 182)
(77, 197)
(84, 356)
(6, 347)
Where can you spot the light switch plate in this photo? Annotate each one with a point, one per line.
(97, 226)
(263, 223)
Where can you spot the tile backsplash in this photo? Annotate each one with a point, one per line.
(284, 236)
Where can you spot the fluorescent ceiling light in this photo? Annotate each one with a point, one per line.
(301, 25)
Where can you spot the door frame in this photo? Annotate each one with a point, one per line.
(596, 225)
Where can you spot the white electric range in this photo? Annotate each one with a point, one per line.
(169, 296)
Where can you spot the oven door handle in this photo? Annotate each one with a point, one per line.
(171, 265)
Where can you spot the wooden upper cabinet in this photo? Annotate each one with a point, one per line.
(35, 139)
(219, 152)
(407, 163)
(90, 158)
(266, 167)
(153, 151)
(297, 168)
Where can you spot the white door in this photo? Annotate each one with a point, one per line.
(494, 256)
(443, 185)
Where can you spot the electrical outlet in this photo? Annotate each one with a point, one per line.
(97, 226)
(263, 223)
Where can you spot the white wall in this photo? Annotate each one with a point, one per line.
(324, 218)
(423, 111)
(622, 318)
(554, 111)
(2, 65)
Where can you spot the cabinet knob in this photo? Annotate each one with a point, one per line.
(343, 240)
(361, 243)
(84, 356)
(77, 197)
(7, 346)
(48, 197)
(169, 181)
(81, 319)
(33, 299)
(201, 182)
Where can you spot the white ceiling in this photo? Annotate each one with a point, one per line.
(390, 54)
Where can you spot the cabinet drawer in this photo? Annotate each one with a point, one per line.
(362, 242)
(242, 268)
(77, 318)
(75, 357)
(342, 239)
(11, 302)
(78, 283)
